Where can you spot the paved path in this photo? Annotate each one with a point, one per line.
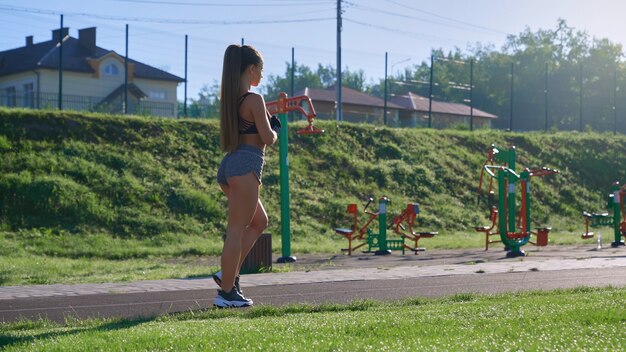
(337, 279)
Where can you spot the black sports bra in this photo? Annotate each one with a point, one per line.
(245, 126)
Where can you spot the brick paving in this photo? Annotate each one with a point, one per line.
(310, 269)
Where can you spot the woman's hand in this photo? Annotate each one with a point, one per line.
(275, 124)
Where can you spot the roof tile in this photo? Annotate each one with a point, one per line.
(46, 55)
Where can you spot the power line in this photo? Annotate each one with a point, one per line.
(446, 18)
(402, 15)
(204, 4)
(161, 20)
(397, 31)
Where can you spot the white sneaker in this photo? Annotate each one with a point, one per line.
(217, 277)
(231, 299)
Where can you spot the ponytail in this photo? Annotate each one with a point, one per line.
(236, 59)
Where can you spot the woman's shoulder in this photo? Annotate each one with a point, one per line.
(253, 99)
(252, 95)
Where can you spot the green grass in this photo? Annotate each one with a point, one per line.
(583, 319)
(76, 188)
(40, 270)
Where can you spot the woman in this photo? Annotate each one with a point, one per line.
(245, 129)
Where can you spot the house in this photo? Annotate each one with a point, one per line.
(415, 110)
(410, 110)
(357, 106)
(93, 78)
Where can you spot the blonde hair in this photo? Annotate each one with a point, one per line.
(237, 58)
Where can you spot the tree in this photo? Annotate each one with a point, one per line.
(207, 104)
(304, 77)
(555, 57)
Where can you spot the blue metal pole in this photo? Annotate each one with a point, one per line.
(61, 65)
(126, 75)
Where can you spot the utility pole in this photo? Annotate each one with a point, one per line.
(339, 102)
(385, 101)
(511, 99)
(293, 68)
(580, 100)
(545, 93)
(126, 75)
(430, 94)
(292, 89)
(185, 101)
(471, 94)
(615, 101)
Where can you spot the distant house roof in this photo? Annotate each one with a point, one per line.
(412, 101)
(76, 53)
(348, 96)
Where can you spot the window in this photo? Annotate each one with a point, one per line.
(29, 96)
(157, 95)
(111, 70)
(10, 96)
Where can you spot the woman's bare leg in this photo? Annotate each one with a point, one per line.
(253, 232)
(243, 199)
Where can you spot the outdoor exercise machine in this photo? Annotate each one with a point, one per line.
(281, 107)
(492, 229)
(379, 243)
(408, 216)
(356, 233)
(500, 165)
(615, 201)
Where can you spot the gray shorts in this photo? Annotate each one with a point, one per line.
(244, 160)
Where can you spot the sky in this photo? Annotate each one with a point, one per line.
(406, 29)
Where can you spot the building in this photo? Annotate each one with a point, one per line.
(93, 78)
(357, 106)
(415, 110)
(410, 110)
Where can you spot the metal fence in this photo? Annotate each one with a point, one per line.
(50, 101)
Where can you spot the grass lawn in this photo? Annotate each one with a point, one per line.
(583, 319)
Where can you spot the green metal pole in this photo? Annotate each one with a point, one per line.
(511, 190)
(382, 227)
(512, 245)
(502, 206)
(616, 216)
(284, 193)
(526, 176)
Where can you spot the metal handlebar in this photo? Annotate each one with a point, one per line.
(499, 167)
(284, 105)
(369, 201)
(542, 171)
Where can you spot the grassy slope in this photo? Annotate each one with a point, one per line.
(71, 174)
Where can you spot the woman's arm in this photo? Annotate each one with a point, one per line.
(257, 108)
